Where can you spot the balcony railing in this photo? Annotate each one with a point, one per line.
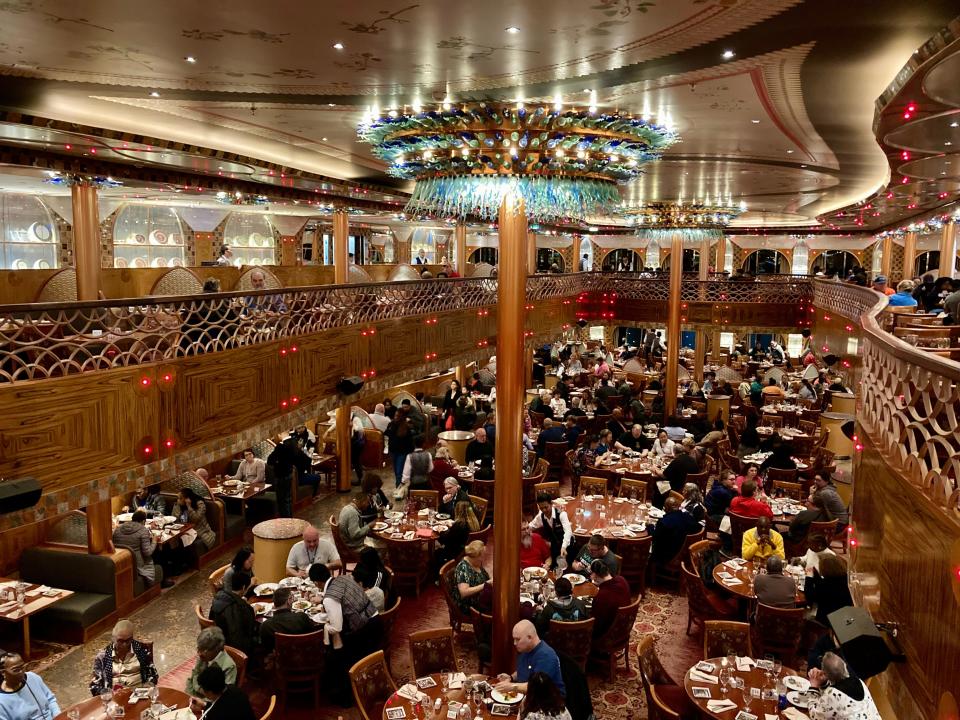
(55, 339)
(910, 398)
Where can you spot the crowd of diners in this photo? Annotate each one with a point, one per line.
(353, 600)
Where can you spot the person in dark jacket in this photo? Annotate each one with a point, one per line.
(721, 494)
(613, 593)
(371, 572)
(453, 494)
(120, 648)
(675, 473)
(464, 415)
(284, 620)
(283, 459)
(827, 587)
(564, 607)
(235, 616)
(801, 522)
(399, 435)
(135, 537)
(671, 532)
(224, 702)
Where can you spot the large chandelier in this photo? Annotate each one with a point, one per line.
(695, 215)
(564, 164)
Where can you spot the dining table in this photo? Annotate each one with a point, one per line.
(423, 524)
(611, 517)
(759, 692)
(238, 490)
(95, 709)
(449, 689)
(164, 528)
(736, 577)
(35, 598)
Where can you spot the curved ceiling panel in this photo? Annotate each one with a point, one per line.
(933, 134)
(939, 167)
(941, 82)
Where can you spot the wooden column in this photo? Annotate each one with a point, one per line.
(86, 240)
(462, 374)
(673, 324)
(909, 255)
(705, 258)
(699, 353)
(460, 248)
(885, 256)
(99, 527)
(715, 346)
(531, 253)
(341, 252)
(948, 249)
(508, 490)
(344, 467)
(721, 253)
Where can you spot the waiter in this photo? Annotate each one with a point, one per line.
(554, 526)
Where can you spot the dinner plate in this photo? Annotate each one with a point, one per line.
(290, 582)
(506, 698)
(439, 528)
(795, 682)
(19, 264)
(302, 605)
(378, 526)
(261, 608)
(393, 514)
(535, 571)
(526, 597)
(41, 265)
(265, 589)
(800, 699)
(575, 578)
(120, 262)
(442, 516)
(125, 517)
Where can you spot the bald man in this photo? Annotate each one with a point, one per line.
(762, 542)
(263, 303)
(533, 655)
(312, 549)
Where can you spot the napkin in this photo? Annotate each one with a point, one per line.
(663, 486)
(791, 713)
(627, 533)
(731, 581)
(456, 680)
(409, 692)
(744, 664)
(409, 535)
(188, 537)
(768, 716)
(719, 706)
(703, 677)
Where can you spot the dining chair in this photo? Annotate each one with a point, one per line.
(669, 572)
(409, 562)
(696, 551)
(215, 581)
(792, 490)
(778, 631)
(204, 621)
(347, 555)
(387, 619)
(739, 524)
(593, 486)
(665, 699)
(483, 632)
(240, 660)
(270, 708)
(726, 637)
(703, 605)
(424, 499)
(479, 507)
(634, 559)
(536, 419)
(807, 427)
(458, 618)
(615, 642)
(774, 421)
(555, 453)
(372, 685)
(634, 489)
(484, 489)
(432, 651)
(570, 459)
(298, 665)
(774, 474)
(572, 638)
(700, 479)
(547, 488)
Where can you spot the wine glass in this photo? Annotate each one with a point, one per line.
(725, 676)
(105, 697)
(154, 693)
(777, 668)
(745, 691)
(445, 680)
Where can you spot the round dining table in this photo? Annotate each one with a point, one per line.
(93, 709)
(618, 515)
(753, 678)
(400, 527)
(447, 697)
(737, 579)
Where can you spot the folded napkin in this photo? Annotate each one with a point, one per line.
(7, 607)
(768, 716)
(456, 680)
(703, 677)
(663, 486)
(188, 537)
(409, 535)
(627, 533)
(744, 664)
(732, 581)
(719, 706)
(791, 713)
(409, 692)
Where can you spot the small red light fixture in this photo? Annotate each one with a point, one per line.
(168, 443)
(283, 351)
(295, 400)
(148, 450)
(293, 348)
(145, 381)
(284, 404)
(167, 377)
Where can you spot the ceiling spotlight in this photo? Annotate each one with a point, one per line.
(513, 29)
(789, 152)
(755, 122)
(955, 124)
(331, 104)
(727, 54)
(190, 59)
(338, 46)
(154, 94)
(323, 139)
(948, 143)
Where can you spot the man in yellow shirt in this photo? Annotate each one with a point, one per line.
(762, 541)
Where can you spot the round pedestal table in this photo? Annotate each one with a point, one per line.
(272, 540)
(837, 443)
(457, 441)
(718, 404)
(841, 402)
(92, 708)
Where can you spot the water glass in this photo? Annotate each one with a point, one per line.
(445, 680)
(745, 691)
(154, 693)
(725, 675)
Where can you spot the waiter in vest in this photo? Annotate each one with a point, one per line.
(554, 526)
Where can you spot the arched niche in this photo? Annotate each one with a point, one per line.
(148, 236)
(835, 262)
(766, 262)
(691, 261)
(29, 239)
(488, 255)
(613, 260)
(547, 258)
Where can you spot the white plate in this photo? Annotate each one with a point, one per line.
(167, 519)
(535, 571)
(125, 517)
(38, 232)
(291, 582)
(120, 262)
(511, 699)
(158, 262)
(795, 682)
(442, 516)
(798, 699)
(41, 265)
(19, 264)
(575, 578)
(301, 605)
(378, 526)
(140, 262)
(265, 589)
(262, 608)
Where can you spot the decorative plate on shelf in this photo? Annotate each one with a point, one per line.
(41, 265)
(19, 264)
(120, 262)
(140, 238)
(38, 232)
(140, 262)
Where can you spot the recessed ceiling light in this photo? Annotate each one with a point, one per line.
(755, 122)
(338, 46)
(154, 94)
(948, 143)
(323, 139)
(955, 124)
(190, 59)
(727, 54)
(331, 104)
(789, 152)
(803, 166)
(513, 30)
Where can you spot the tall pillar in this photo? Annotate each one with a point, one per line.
(508, 491)
(341, 251)
(705, 258)
(721, 253)
(673, 324)
(885, 256)
(86, 240)
(531, 253)
(460, 243)
(909, 254)
(344, 466)
(715, 346)
(99, 527)
(699, 353)
(948, 248)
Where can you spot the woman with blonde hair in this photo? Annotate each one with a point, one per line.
(470, 577)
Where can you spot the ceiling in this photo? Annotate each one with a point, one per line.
(785, 123)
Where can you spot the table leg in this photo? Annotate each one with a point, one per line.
(26, 637)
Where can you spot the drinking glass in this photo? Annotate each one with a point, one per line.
(73, 714)
(105, 697)
(777, 668)
(732, 660)
(154, 693)
(745, 692)
(445, 680)
(725, 674)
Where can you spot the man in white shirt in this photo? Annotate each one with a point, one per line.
(309, 551)
(554, 525)
(252, 469)
(379, 419)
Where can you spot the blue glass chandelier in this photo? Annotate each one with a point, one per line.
(564, 164)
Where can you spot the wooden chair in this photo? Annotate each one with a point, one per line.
(700, 479)
(424, 499)
(665, 699)
(696, 550)
(483, 534)
(703, 605)
(484, 489)
(792, 490)
(615, 642)
(483, 632)
(593, 486)
(298, 665)
(547, 488)
(479, 507)
(739, 524)
(570, 459)
(204, 621)
(669, 573)
(572, 639)
(536, 419)
(528, 500)
(779, 631)
(347, 555)
(372, 685)
(409, 562)
(774, 421)
(240, 660)
(723, 637)
(634, 489)
(634, 558)
(457, 617)
(555, 453)
(270, 708)
(676, 496)
(827, 528)
(808, 427)
(387, 619)
(215, 581)
(774, 474)
(433, 651)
